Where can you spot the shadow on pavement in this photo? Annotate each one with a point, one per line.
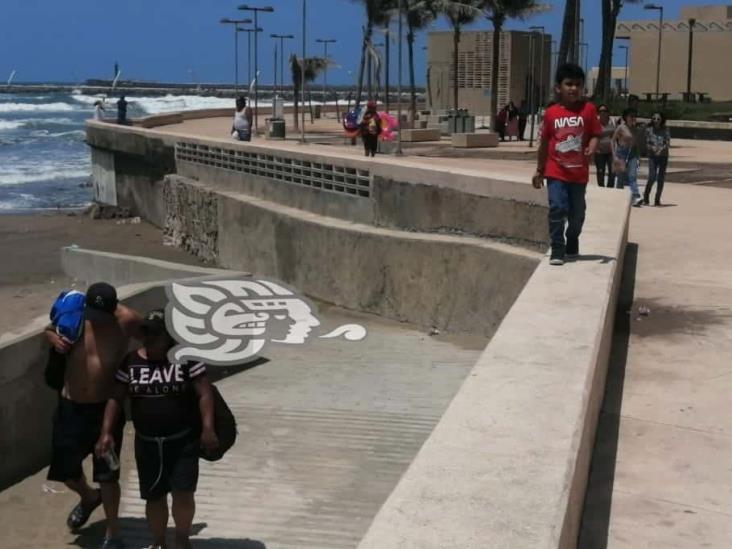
(598, 500)
(91, 536)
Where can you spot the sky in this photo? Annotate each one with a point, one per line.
(183, 41)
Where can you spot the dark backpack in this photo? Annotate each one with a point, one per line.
(224, 425)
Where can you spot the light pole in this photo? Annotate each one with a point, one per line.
(542, 94)
(256, 10)
(658, 8)
(302, 69)
(692, 22)
(236, 23)
(282, 38)
(325, 42)
(249, 51)
(398, 151)
(626, 48)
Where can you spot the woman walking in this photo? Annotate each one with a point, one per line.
(604, 154)
(658, 140)
(626, 157)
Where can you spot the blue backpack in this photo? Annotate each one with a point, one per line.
(67, 317)
(67, 314)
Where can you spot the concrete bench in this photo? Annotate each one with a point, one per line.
(417, 135)
(474, 140)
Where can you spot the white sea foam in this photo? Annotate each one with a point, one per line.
(22, 201)
(20, 173)
(10, 124)
(36, 107)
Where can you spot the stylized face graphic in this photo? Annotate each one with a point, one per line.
(226, 322)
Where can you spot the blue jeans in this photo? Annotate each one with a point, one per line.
(567, 208)
(630, 176)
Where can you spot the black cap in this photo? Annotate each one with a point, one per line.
(154, 322)
(101, 297)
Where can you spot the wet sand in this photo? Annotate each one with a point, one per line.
(30, 269)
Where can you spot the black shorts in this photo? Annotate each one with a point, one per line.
(76, 429)
(179, 470)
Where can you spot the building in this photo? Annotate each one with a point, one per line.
(617, 80)
(712, 42)
(475, 56)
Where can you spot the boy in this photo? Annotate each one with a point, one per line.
(166, 402)
(569, 137)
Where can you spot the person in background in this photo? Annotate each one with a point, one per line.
(370, 129)
(501, 122)
(568, 140)
(98, 110)
(241, 129)
(122, 110)
(523, 115)
(626, 156)
(166, 401)
(604, 154)
(658, 142)
(512, 128)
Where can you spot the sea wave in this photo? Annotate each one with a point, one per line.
(41, 172)
(47, 133)
(21, 201)
(166, 103)
(10, 124)
(36, 107)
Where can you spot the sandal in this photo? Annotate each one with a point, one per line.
(80, 514)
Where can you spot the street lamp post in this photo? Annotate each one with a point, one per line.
(625, 82)
(398, 151)
(256, 10)
(658, 8)
(282, 38)
(692, 22)
(236, 23)
(249, 51)
(542, 96)
(302, 69)
(325, 42)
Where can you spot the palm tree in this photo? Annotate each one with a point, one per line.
(497, 12)
(419, 14)
(376, 14)
(568, 43)
(458, 14)
(313, 67)
(610, 12)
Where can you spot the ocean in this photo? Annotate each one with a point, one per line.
(44, 161)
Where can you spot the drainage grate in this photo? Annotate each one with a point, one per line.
(328, 177)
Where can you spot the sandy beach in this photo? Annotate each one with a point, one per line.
(30, 270)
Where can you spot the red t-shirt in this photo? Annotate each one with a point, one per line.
(567, 133)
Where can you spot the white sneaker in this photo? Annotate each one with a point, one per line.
(638, 202)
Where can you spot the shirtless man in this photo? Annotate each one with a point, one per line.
(90, 368)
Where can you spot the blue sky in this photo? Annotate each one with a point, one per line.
(182, 40)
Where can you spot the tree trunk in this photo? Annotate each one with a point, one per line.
(495, 66)
(569, 29)
(295, 95)
(412, 85)
(456, 45)
(369, 73)
(310, 103)
(610, 11)
(362, 67)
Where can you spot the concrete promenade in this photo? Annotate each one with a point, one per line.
(661, 476)
(326, 430)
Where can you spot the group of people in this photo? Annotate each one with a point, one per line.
(171, 407)
(122, 103)
(618, 153)
(511, 122)
(573, 133)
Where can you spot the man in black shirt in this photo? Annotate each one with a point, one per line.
(172, 410)
(122, 110)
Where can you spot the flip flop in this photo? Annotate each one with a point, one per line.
(80, 514)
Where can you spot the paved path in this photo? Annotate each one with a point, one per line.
(661, 471)
(326, 431)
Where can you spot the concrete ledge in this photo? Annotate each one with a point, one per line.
(474, 140)
(507, 465)
(420, 135)
(457, 283)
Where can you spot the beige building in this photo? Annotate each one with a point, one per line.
(710, 60)
(617, 80)
(475, 56)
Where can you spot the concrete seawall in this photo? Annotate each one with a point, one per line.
(507, 464)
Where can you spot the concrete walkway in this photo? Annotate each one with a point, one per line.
(661, 475)
(326, 431)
